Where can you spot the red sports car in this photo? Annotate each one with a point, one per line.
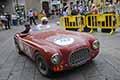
(54, 49)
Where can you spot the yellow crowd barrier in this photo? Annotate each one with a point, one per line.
(118, 20)
(92, 21)
(103, 21)
(73, 22)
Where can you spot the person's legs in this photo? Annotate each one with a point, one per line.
(34, 20)
(6, 26)
(30, 20)
(8, 23)
(5, 23)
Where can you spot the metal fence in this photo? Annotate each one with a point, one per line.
(102, 21)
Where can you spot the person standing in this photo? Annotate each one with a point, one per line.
(31, 17)
(70, 8)
(94, 9)
(64, 10)
(118, 7)
(3, 20)
(14, 19)
(8, 22)
(77, 6)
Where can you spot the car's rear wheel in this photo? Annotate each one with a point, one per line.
(18, 50)
(42, 65)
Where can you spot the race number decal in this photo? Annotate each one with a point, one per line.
(64, 40)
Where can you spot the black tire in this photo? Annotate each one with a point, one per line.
(18, 50)
(42, 66)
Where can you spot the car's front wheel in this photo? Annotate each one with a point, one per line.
(42, 66)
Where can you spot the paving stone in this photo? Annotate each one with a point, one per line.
(106, 70)
(38, 76)
(14, 75)
(4, 73)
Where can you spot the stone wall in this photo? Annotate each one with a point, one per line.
(9, 6)
(33, 4)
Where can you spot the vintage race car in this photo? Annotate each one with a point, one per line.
(55, 49)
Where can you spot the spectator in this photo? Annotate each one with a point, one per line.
(8, 22)
(71, 5)
(53, 12)
(64, 10)
(101, 7)
(107, 4)
(60, 11)
(1, 24)
(111, 8)
(118, 7)
(74, 12)
(81, 9)
(31, 17)
(94, 9)
(77, 6)
(3, 20)
(70, 8)
(57, 11)
(14, 19)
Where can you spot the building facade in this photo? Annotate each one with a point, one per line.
(39, 5)
(42, 4)
(7, 6)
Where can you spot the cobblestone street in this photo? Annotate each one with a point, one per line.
(106, 66)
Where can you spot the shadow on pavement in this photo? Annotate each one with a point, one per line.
(74, 71)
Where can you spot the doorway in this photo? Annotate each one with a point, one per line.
(45, 7)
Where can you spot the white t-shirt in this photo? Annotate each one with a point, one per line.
(30, 14)
(14, 17)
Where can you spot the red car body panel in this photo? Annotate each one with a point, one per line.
(44, 42)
